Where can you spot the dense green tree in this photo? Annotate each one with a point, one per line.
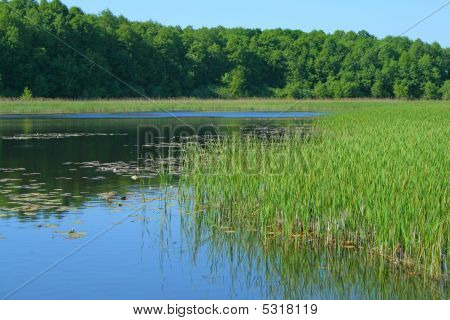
(321, 91)
(431, 91)
(57, 51)
(445, 90)
(236, 82)
(401, 89)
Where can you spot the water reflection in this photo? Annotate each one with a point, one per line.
(281, 268)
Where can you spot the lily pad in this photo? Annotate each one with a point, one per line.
(50, 225)
(72, 234)
(108, 195)
(29, 214)
(8, 180)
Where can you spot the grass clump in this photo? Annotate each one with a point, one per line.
(373, 177)
(27, 95)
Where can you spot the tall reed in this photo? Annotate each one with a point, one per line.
(374, 177)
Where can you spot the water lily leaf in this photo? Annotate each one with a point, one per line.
(50, 225)
(72, 234)
(62, 209)
(29, 213)
(8, 180)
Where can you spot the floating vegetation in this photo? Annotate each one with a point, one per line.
(31, 213)
(11, 170)
(152, 167)
(72, 234)
(50, 225)
(30, 187)
(98, 178)
(108, 196)
(47, 136)
(63, 209)
(30, 204)
(8, 180)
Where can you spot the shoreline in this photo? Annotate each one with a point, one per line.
(60, 106)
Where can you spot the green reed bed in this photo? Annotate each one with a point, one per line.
(55, 106)
(373, 178)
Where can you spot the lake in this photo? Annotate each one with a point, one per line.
(83, 216)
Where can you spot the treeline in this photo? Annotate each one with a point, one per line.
(165, 61)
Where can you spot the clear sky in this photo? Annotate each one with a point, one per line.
(378, 17)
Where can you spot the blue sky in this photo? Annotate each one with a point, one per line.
(379, 17)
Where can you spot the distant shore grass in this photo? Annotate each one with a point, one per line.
(373, 178)
(55, 106)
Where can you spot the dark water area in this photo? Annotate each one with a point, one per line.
(165, 114)
(83, 216)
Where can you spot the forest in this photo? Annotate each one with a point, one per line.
(52, 51)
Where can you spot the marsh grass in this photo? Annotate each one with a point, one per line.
(55, 106)
(373, 178)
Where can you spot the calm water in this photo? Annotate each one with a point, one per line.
(81, 222)
(165, 114)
